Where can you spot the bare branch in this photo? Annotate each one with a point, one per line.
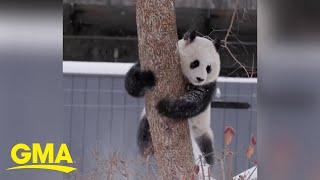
(252, 65)
(231, 22)
(225, 41)
(234, 58)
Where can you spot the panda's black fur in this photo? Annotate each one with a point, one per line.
(194, 105)
(137, 81)
(193, 102)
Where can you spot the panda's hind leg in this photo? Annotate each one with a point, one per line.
(144, 137)
(205, 143)
(203, 135)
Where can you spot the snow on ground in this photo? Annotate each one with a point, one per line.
(252, 173)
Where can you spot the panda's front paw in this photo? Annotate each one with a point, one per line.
(148, 78)
(164, 107)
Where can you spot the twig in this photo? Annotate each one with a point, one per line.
(228, 34)
(222, 169)
(233, 71)
(241, 43)
(230, 165)
(240, 64)
(252, 65)
(202, 167)
(205, 36)
(231, 23)
(252, 173)
(216, 30)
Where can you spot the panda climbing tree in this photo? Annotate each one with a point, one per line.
(157, 41)
(200, 64)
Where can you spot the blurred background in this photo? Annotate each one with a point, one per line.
(105, 30)
(288, 91)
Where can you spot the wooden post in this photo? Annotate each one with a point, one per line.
(157, 36)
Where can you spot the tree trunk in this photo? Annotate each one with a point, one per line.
(157, 36)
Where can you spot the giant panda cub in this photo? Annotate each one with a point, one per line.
(200, 63)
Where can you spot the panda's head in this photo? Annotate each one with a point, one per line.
(200, 60)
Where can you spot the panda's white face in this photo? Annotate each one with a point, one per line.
(200, 61)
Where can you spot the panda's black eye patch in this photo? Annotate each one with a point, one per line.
(209, 69)
(194, 64)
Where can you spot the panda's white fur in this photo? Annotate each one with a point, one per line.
(190, 49)
(203, 50)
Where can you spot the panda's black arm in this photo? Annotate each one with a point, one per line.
(137, 82)
(194, 102)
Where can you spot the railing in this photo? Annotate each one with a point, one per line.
(120, 69)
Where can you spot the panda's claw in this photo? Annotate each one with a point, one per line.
(137, 82)
(163, 107)
(175, 109)
(148, 78)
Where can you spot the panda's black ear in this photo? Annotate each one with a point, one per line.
(217, 44)
(190, 36)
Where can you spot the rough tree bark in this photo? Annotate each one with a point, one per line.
(157, 36)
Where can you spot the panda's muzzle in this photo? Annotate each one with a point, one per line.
(199, 79)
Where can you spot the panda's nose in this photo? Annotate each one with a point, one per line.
(199, 79)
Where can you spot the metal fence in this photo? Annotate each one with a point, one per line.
(101, 117)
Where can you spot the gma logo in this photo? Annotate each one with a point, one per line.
(34, 157)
